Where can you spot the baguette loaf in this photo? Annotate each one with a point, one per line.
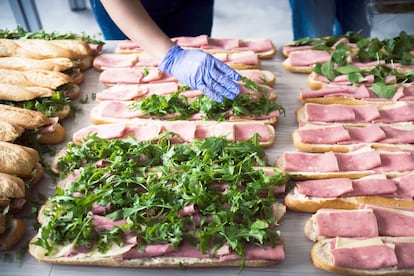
(42, 78)
(17, 160)
(22, 117)
(43, 49)
(24, 64)
(9, 132)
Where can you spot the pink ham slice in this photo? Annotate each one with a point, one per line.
(326, 188)
(324, 135)
(246, 131)
(129, 45)
(120, 110)
(253, 252)
(397, 161)
(191, 41)
(308, 57)
(358, 161)
(401, 112)
(372, 186)
(185, 130)
(115, 60)
(257, 45)
(371, 133)
(368, 257)
(223, 130)
(393, 224)
(109, 131)
(246, 58)
(221, 44)
(360, 223)
(360, 92)
(127, 92)
(405, 252)
(405, 186)
(128, 76)
(310, 162)
(341, 113)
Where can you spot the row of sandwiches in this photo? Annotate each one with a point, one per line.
(353, 166)
(40, 74)
(166, 177)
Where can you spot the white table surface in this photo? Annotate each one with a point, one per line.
(297, 260)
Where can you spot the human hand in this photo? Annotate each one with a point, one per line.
(203, 72)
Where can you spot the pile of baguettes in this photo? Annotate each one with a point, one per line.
(354, 167)
(38, 79)
(141, 102)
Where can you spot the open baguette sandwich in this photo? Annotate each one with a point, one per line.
(141, 238)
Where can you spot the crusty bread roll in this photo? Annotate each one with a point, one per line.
(17, 93)
(28, 119)
(56, 136)
(11, 187)
(17, 160)
(9, 132)
(58, 64)
(322, 259)
(14, 231)
(42, 78)
(43, 49)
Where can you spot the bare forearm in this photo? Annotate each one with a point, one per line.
(132, 18)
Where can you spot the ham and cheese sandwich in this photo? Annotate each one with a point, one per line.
(397, 112)
(12, 231)
(357, 163)
(366, 256)
(322, 137)
(60, 64)
(345, 193)
(48, 130)
(367, 222)
(263, 47)
(147, 234)
(183, 131)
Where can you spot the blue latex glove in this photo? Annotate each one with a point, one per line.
(203, 72)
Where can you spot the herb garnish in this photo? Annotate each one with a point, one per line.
(182, 108)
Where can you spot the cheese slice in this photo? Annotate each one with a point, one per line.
(352, 243)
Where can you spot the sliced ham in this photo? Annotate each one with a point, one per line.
(341, 113)
(394, 222)
(405, 252)
(365, 257)
(401, 112)
(129, 75)
(324, 135)
(360, 92)
(327, 188)
(360, 223)
(191, 41)
(397, 161)
(308, 57)
(109, 131)
(309, 162)
(371, 133)
(372, 185)
(114, 109)
(127, 92)
(359, 160)
(103, 223)
(221, 44)
(109, 60)
(243, 132)
(405, 186)
(185, 130)
(224, 130)
(257, 45)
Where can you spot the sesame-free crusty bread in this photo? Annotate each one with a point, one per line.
(17, 160)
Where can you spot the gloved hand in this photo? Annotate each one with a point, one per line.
(202, 71)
